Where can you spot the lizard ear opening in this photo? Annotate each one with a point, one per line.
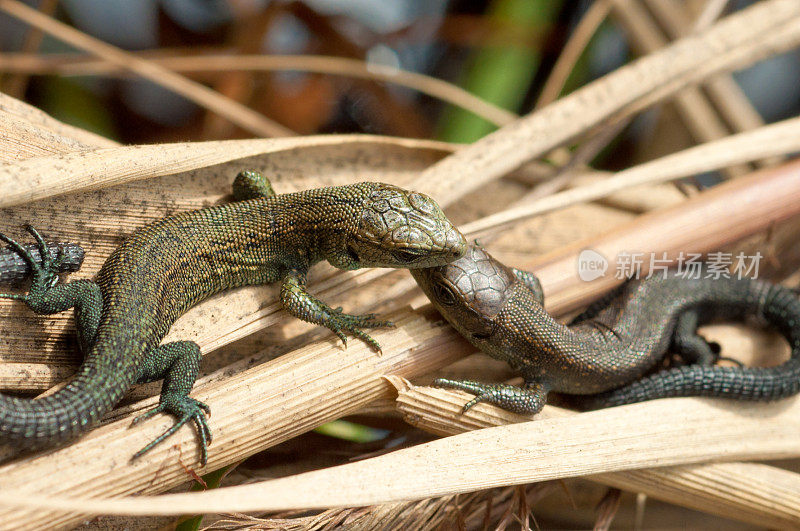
(352, 254)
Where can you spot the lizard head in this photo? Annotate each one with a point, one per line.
(400, 228)
(469, 293)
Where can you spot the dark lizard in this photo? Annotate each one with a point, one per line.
(14, 268)
(606, 350)
(164, 268)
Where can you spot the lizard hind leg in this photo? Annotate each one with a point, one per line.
(178, 364)
(691, 347)
(526, 400)
(250, 184)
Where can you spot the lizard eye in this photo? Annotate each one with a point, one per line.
(352, 254)
(444, 294)
(405, 256)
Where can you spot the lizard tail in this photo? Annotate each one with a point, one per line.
(781, 308)
(30, 423)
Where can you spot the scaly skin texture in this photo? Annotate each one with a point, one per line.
(166, 267)
(606, 350)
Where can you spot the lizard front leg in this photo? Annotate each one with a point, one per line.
(301, 304)
(532, 282)
(526, 400)
(47, 296)
(178, 364)
(250, 184)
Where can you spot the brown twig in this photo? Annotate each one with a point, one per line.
(758, 31)
(71, 64)
(573, 49)
(16, 84)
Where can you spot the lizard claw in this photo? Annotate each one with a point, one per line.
(526, 401)
(478, 399)
(44, 271)
(340, 322)
(185, 409)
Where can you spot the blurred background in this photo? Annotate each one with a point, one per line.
(510, 53)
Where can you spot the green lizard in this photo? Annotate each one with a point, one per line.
(164, 268)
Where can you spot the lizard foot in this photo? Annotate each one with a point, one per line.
(692, 348)
(185, 409)
(44, 267)
(526, 400)
(340, 322)
(300, 303)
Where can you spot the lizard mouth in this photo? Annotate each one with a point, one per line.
(408, 255)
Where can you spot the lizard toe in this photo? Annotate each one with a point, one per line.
(477, 400)
(186, 409)
(366, 338)
(149, 414)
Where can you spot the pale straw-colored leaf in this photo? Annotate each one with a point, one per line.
(754, 493)
(319, 382)
(610, 440)
(776, 139)
(323, 161)
(27, 132)
(43, 177)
